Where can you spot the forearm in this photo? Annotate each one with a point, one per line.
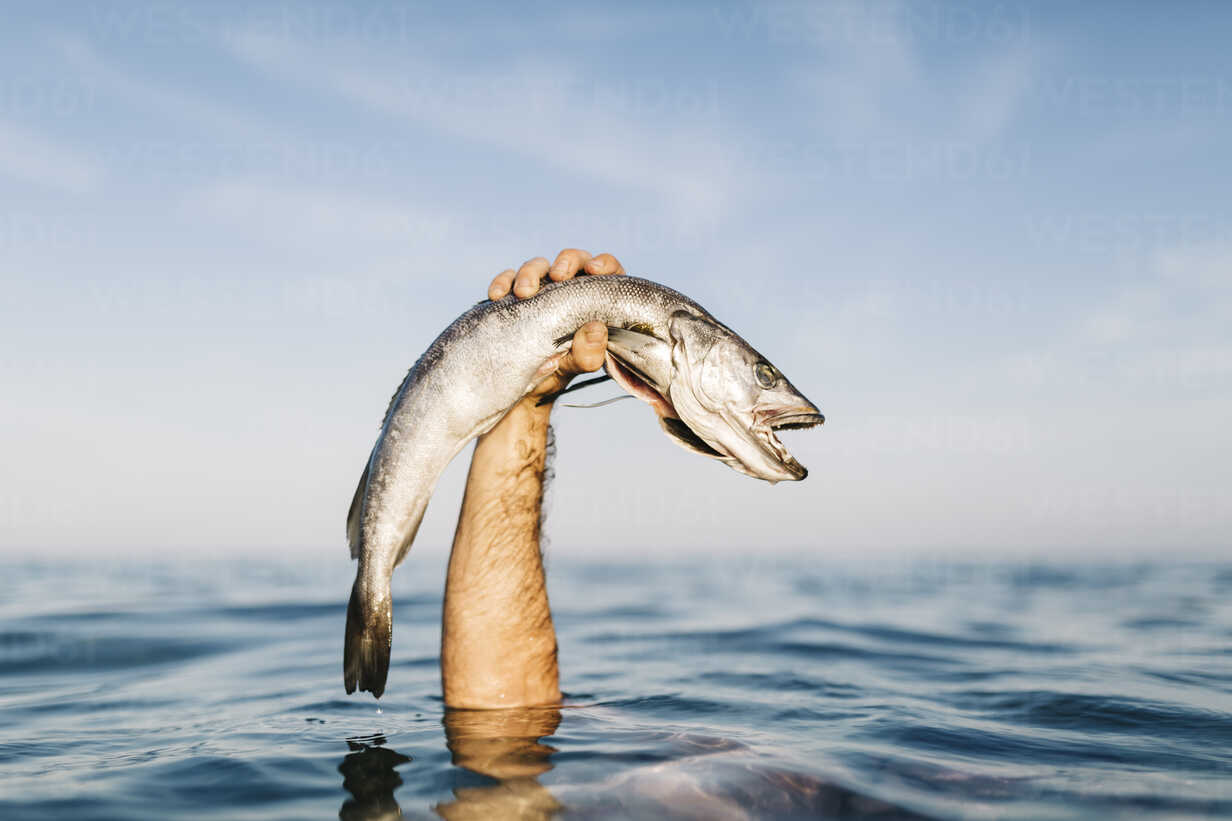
(498, 644)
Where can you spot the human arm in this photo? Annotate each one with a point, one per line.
(498, 643)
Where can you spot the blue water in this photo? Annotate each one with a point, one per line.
(703, 689)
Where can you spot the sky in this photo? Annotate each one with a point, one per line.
(991, 241)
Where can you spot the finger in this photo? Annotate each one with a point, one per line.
(604, 264)
(527, 282)
(501, 285)
(568, 262)
(587, 351)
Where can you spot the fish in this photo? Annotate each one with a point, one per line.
(712, 392)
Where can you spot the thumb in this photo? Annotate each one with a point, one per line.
(587, 351)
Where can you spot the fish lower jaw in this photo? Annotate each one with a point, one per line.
(792, 419)
(787, 462)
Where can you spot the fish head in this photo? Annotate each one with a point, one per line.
(733, 400)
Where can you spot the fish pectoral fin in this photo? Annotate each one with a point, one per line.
(683, 435)
(355, 514)
(647, 356)
(636, 386)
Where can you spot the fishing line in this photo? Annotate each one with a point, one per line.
(604, 402)
(585, 383)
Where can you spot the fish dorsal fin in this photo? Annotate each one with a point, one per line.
(356, 513)
(393, 400)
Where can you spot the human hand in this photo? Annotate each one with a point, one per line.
(589, 347)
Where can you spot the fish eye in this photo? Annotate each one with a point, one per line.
(766, 375)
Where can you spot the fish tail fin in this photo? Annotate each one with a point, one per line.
(369, 635)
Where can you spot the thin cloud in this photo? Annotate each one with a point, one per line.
(1207, 265)
(540, 110)
(35, 158)
(1164, 335)
(867, 71)
(150, 95)
(290, 214)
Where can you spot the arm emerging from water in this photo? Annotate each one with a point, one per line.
(498, 644)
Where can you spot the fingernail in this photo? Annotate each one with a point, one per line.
(595, 334)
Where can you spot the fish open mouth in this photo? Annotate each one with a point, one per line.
(792, 419)
(762, 431)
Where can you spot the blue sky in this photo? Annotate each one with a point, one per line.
(993, 242)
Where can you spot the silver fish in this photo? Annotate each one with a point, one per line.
(713, 394)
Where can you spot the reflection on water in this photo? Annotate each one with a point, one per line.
(369, 774)
(504, 745)
(706, 777)
(501, 744)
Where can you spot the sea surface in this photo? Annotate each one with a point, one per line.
(741, 688)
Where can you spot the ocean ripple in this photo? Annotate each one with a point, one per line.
(763, 688)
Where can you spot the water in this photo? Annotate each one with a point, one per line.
(704, 689)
